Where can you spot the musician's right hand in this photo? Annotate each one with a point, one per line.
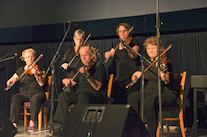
(136, 75)
(109, 54)
(13, 79)
(64, 66)
(68, 82)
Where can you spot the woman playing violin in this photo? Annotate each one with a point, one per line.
(92, 85)
(169, 97)
(30, 90)
(125, 62)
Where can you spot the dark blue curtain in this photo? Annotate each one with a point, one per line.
(188, 53)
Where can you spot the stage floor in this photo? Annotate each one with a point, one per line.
(174, 130)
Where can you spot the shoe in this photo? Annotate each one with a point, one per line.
(31, 129)
(58, 132)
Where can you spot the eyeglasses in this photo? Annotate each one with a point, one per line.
(28, 57)
(79, 39)
(122, 31)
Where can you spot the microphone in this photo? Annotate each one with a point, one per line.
(73, 23)
(21, 58)
(15, 54)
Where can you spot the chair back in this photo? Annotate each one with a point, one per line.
(110, 83)
(48, 87)
(182, 87)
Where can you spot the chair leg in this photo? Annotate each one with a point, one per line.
(158, 130)
(25, 119)
(45, 117)
(182, 124)
(40, 119)
(168, 129)
(167, 124)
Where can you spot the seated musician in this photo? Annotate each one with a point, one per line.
(92, 85)
(30, 90)
(71, 61)
(151, 103)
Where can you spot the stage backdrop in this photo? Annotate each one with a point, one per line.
(187, 54)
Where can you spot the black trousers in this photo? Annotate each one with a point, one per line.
(120, 92)
(68, 98)
(18, 99)
(151, 105)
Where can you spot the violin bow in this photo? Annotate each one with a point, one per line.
(11, 84)
(118, 45)
(77, 54)
(133, 82)
(76, 74)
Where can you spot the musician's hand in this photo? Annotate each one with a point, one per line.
(34, 71)
(83, 69)
(68, 82)
(164, 76)
(136, 75)
(11, 80)
(107, 55)
(64, 66)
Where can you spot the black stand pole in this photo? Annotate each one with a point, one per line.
(142, 92)
(56, 56)
(1, 60)
(142, 77)
(158, 62)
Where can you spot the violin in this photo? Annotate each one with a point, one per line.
(87, 66)
(29, 72)
(25, 72)
(128, 40)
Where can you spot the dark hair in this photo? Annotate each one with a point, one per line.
(127, 26)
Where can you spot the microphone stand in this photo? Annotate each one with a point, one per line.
(1, 60)
(52, 67)
(142, 77)
(5, 55)
(158, 61)
(142, 91)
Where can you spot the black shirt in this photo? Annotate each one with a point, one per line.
(75, 65)
(98, 72)
(28, 83)
(124, 64)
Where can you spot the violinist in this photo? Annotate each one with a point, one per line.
(124, 63)
(31, 90)
(151, 101)
(92, 85)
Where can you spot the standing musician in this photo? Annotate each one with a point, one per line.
(124, 63)
(31, 89)
(151, 101)
(92, 85)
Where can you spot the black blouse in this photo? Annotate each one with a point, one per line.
(28, 83)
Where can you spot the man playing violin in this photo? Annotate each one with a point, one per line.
(92, 85)
(30, 90)
(151, 103)
(125, 62)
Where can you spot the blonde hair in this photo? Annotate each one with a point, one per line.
(153, 40)
(29, 50)
(79, 32)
